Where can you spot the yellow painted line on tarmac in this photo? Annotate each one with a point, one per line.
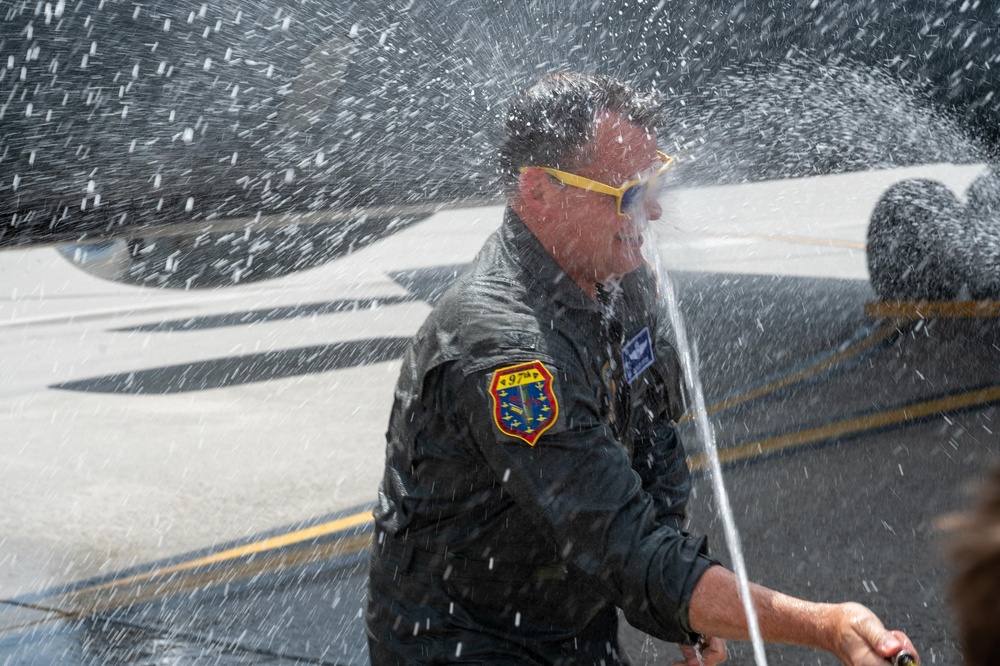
(852, 426)
(161, 581)
(880, 334)
(51, 617)
(933, 309)
(798, 240)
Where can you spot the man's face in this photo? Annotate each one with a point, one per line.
(597, 242)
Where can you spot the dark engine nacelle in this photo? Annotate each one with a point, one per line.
(923, 244)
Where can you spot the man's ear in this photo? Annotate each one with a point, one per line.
(536, 191)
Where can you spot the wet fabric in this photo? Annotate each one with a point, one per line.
(492, 549)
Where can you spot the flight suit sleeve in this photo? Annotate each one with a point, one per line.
(576, 482)
(661, 463)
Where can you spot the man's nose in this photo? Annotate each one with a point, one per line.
(653, 208)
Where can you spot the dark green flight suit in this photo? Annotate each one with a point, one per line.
(516, 511)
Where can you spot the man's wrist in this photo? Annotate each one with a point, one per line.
(799, 622)
(828, 626)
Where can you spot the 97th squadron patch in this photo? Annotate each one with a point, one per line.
(524, 400)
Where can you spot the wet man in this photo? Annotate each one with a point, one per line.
(534, 480)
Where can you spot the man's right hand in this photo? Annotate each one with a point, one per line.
(860, 639)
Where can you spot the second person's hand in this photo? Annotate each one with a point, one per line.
(713, 651)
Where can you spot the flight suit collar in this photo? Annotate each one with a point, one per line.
(539, 268)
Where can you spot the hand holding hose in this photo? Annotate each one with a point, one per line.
(862, 640)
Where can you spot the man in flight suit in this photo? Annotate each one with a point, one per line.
(534, 480)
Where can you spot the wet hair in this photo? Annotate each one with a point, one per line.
(975, 586)
(551, 122)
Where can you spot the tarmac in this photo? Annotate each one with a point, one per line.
(187, 476)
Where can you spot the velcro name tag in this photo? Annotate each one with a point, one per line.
(637, 355)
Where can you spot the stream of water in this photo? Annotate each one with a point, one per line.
(688, 353)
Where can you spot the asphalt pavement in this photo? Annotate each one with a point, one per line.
(187, 476)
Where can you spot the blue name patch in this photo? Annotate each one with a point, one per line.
(637, 355)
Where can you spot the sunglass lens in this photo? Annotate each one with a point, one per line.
(633, 196)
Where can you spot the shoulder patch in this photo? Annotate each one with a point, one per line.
(524, 400)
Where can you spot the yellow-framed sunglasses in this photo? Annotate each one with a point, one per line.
(625, 196)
